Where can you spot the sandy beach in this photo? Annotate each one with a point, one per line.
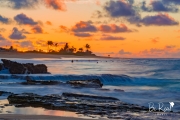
(39, 55)
(38, 117)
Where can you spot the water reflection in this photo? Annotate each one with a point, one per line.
(32, 111)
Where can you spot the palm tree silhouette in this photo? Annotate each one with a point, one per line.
(72, 49)
(81, 49)
(87, 46)
(49, 43)
(66, 47)
(56, 45)
(11, 48)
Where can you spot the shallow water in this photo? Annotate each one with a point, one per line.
(143, 80)
(34, 111)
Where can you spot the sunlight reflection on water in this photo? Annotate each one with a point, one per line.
(33, 111)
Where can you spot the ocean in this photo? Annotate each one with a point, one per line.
(143, 80)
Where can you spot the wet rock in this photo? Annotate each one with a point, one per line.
(41, 68)
(118, 90)
(88, 96)
(1, 66)
(8, 111)
(80, 103)
(28, 68)
(29, 81)
(17, 68)
(103, 89)
(14, 67)
(6, 63)
(4, 93)
(2, 107)
(95, 83)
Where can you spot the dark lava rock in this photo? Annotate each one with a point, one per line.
(81, 103)
(18, 68)
(88, 96)
(1, 66)
(33, 82)
(29, 67)
(6, 63)
(41, 68)
(118, 90)
(4, 93)
(29, 81)
(103, 89)
(95, 83)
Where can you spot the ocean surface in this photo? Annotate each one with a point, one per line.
(143, 80)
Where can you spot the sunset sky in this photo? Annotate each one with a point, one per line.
(121, 28)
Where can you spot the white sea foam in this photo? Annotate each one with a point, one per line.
(143, 80)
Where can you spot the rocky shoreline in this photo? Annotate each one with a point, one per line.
(85, 104)
(20, 68)
(80, 103)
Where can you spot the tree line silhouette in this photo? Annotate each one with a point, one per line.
(54, 48)
(67, 50)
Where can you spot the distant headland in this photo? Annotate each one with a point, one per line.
(53, 51)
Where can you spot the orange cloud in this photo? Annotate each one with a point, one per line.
(63, 28)
(155, 40)
(168, 52)
(83, 26)
(48, 23)
(56, 4)
(98, 2)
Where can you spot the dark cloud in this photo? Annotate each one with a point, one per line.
(84, 27)
(158, 6)
(131, 12)
(90, 27)
(82, 34)
(16, 34)
(122, 52)
(157, 20)
(33, 4)
(4, 20)
(2, 38)
(109, 37)
(20, 4)
(37, 29)
(98, 14)
(131, 2)
(22, 19)
(114, 28)
(175, 2)
(120, 8)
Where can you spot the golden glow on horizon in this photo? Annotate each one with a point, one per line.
(53, 22)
